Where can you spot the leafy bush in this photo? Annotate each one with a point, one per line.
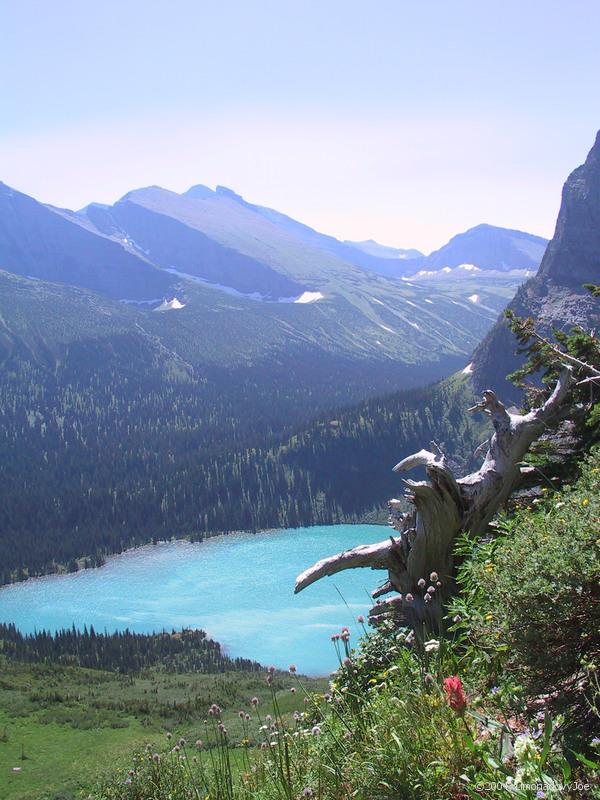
(531, 601)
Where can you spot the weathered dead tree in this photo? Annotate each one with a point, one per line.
(443, 507)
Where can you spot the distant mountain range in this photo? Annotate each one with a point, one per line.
(147, 243)
(234, 407)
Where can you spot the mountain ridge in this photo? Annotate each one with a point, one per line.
(555, 296)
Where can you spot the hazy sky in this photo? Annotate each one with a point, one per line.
(397, 120)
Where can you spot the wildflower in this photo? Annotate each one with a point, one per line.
(457, 618)
(421, 583)
(428, 680)
(131, 773)
(488, 568)
(316, 730)
(585, 502)
(247, 717)
(155, 757)
(360, 619)
(438, 584)
(595, 742)
(408, 597)
(494, 690)
(335, 637)
(489, 617)
(455, 694)
(269, 718)
(222, 729)
(293, 690)
(199, 744)
(433, 577)
(194, 760)
(176, 749)
(432, 646)
(347, 662)
(182, 742)
(307, 792)
(525, 749)
(169, 735)
(431, 589)
(254, 701)
(292, 668)
(271, 670)
(540, 793)
(297, 716)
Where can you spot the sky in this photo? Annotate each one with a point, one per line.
(400, 121)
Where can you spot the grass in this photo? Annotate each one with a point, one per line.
(75, 726)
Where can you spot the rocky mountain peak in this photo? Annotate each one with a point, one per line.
(555, 296)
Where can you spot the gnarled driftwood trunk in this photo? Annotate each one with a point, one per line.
(443, 507)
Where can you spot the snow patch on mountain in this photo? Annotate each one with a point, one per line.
(170, 305)
(309, 297)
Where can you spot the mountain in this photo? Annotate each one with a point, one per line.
(555, 296)
(41, 242)
(373, 248)
(486, 247)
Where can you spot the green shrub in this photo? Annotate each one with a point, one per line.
(531, 601)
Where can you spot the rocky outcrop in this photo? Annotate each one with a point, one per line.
(555, 296)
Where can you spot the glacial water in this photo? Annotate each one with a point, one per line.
(238, 588)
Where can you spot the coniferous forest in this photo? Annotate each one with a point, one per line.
(122, 651)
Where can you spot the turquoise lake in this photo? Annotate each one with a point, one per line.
(238, 588)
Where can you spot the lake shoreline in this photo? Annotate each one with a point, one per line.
(237, 588)
(82, 566)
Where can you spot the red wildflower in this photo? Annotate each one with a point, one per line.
(455, 694)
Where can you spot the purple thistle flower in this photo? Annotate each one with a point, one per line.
(360, 619)
(433, 577)
(307, 792)
(254, 701)
(316, 730)
(292, 668)
(421, 583)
